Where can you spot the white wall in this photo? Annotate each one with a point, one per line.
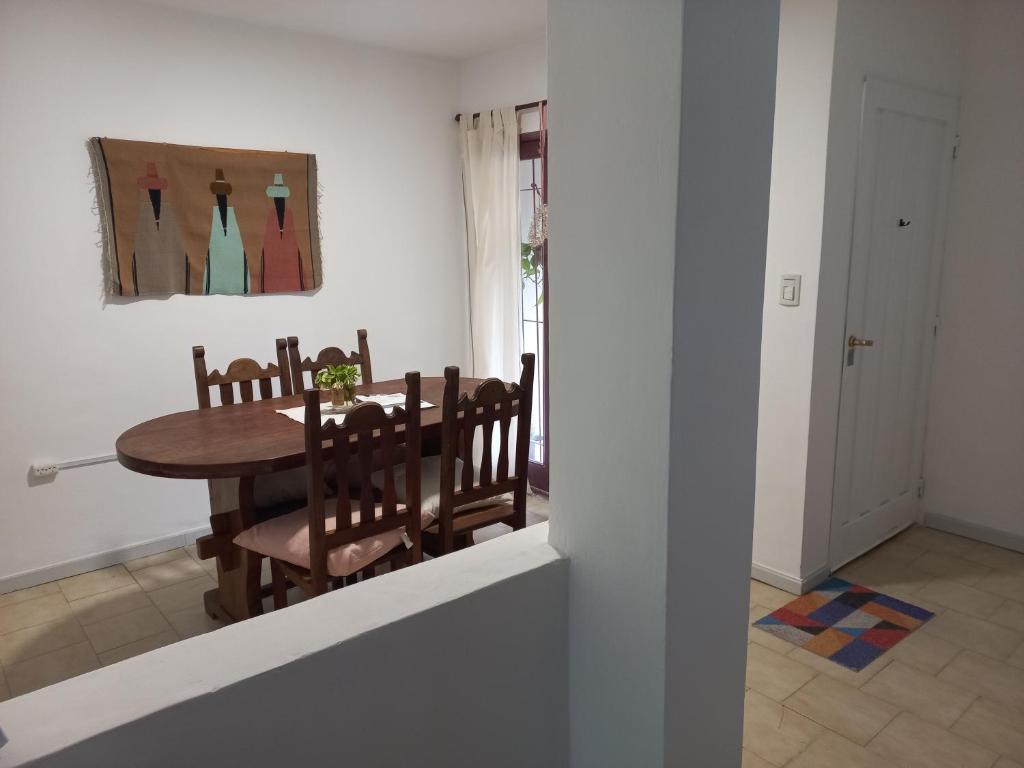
(975, 450)
(655, 339)
(614, 271)
(729, 61)
(77, 372)
(515, 75)
(912, 41)
(458, 662)
(807, 31)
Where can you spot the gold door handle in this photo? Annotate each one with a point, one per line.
(853, 341)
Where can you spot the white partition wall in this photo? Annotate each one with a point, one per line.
(655, 343)
(458, 662)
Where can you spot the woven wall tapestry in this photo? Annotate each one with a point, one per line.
(179, 219)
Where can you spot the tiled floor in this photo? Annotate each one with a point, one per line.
(65, 628)
(949, 696)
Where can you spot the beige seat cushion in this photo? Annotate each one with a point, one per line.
(287, 538)
(430, 486)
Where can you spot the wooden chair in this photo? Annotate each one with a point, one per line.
(328, 356)
(465, 498)
(476, 499)
(243, 372)
(328, 540)
(261, 497)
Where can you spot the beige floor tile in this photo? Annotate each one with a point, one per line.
(210, 566)
(1003, 583)
(960, 597)
(42, 638)
(127, 628)
(94, 582)
(144, 645)
(51, 668)
(185, 594)
(30, 613)
(193, 621)
(952, 568)
(911, 742)
(935, 541)
(150, 560)
(830, 750)
(884, 575)
(927, 697)
(105, 605)
(761, 637)
(1010, 615)
(1017, 657)
(842, 708)
(773, 732)
(925, 652)
(751, 760)
(31, 593)
(898, 551)
(974, 633)
(5, 692)
(995, 557)
(773, 674)
(987, 677)
(995, 726)
(166, 574)
(768, 596)
(839, 672)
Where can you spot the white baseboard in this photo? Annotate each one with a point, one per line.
(92, 562)
(784, 581)
(969, 530)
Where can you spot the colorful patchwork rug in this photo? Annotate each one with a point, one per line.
(846, 623)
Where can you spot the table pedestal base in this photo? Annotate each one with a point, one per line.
(238, 594)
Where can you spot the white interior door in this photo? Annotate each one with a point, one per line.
(904, 163)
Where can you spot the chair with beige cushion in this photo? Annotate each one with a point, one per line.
(464, 497)
(328, 540)
(263, 496)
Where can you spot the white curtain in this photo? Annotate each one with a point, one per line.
(490, 183)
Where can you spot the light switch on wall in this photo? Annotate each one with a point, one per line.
(789, 291)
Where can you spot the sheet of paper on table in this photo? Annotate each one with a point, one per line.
(388, 401)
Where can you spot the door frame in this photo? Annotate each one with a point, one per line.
(880, 94)
(531, 146)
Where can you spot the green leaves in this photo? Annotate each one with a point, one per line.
(337, 377)
(530, 268)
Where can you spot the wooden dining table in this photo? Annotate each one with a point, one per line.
(229, 445)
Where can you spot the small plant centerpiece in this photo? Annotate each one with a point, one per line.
(340, 380)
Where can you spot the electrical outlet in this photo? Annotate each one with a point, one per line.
(45, 470)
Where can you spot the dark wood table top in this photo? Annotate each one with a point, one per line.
(245, 438)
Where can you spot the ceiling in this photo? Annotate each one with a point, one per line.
(451, 29)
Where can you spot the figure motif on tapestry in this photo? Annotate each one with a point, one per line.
(281, 257)
(167, 229)
(227, 268)
(159, 260)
